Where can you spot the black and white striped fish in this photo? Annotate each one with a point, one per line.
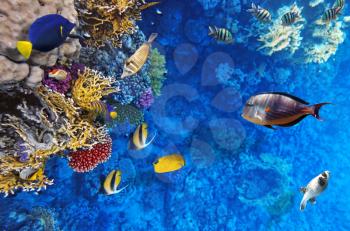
(291, 17)
(261, 14)
(221, 34)
(331, 14)
(339, 3)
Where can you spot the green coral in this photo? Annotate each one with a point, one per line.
(157, 71)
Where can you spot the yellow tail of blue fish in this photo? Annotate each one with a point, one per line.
(24, 48)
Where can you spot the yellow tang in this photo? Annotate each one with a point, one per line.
(169, 163)
(112, 182)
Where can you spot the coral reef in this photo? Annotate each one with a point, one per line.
(276, 37)
(145, 100)
(87, 160)
(329, 38)
(14, 27)
(128, 113)
(157, 71)
(104, 20)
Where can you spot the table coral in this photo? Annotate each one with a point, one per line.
(87, 160)
(105, 20)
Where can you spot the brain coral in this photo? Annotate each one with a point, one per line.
(16, 16)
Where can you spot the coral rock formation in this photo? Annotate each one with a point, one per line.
(16, 18)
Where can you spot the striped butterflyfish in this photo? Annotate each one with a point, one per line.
(135, 62)
(112, 182)
(168, 163)
(138, 139)
(331, 14)
(278, 109)
(220, 34)
(291, 17)
(261, 14)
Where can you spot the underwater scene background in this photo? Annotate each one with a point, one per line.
(237, 175)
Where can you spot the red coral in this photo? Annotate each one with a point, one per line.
(86, 160)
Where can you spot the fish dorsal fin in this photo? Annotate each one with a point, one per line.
(303, 190)
(287, 95)
(293, 122)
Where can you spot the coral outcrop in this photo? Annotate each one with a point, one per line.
(104, 20)
(277, 37)
(16, 18)
(157, 71)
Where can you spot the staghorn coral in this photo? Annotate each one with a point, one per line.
(109, 20)
(330, 37)
(157, 71)
(91, 87)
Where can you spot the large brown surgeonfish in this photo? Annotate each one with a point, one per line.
(278, 109)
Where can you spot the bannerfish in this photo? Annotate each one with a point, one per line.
(31, 174)
(139, 58)
(291, 17)
(314, 188)
(221, 34)
(280, 109)
(261, 14)
(169, 163)
(138, 140)
(45, 34)
(112, 182)
(330, 14)
(104, 110)
(58, 74)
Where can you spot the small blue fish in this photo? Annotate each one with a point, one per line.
(45, 34)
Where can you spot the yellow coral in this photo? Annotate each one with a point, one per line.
(91, 87)
(106, 20)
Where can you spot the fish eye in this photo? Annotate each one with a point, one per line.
(249, 104)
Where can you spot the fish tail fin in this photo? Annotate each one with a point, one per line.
(303, 204)
(152, 37)
(316, 110)
(24, 48)
(319, 22)
(211, 30)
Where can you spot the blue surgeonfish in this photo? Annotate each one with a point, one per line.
(45, 34)
(112, 182)
(138, 140)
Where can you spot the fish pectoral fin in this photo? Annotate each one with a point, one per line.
(270, 126)
(302, 190)
(313, 200)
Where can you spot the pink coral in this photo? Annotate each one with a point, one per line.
(87, 160)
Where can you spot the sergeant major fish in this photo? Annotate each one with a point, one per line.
(340, 4)
(261, 14)
(291, 17)
(280, 109)
(220, 34)
(139, 58)
(314, 188)
(330, 15)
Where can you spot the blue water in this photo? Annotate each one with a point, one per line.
(238, 176)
